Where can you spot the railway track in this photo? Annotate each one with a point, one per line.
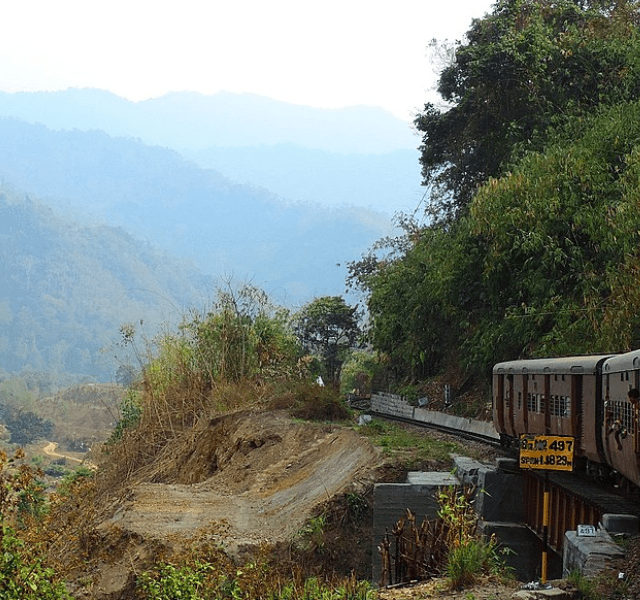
(469, 433)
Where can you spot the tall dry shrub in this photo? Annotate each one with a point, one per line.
(220, 361)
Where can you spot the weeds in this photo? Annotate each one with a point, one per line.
(130, 412)
(449, 544)
(602, 587)
(23, 574)
(409, 447)
(311, 536)
(253, 580)
(358, 505)
(169, 582)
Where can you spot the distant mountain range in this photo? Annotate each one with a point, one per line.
(190, 120)
(227, 229)
(360, 156)
(98, 226)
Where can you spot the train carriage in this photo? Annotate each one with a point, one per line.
(555, 396)
(618, 426)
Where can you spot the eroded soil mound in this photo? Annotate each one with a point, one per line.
(239, 481)
(258, 477)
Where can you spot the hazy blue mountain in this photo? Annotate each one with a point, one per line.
(229, 230)
(119, 169)
(386, 183)
(360, 156)
(66, 288)
(191, 120)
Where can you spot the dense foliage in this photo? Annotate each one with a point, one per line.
(533, 244)
(529, 66)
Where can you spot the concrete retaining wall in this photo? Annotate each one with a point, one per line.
(396, 406)
(589, 555)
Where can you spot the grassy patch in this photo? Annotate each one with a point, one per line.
(409, 446)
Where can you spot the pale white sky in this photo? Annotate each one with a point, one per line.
(329, 53)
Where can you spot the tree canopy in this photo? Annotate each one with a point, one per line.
(534, 244)
(530, 66)
(327, 327)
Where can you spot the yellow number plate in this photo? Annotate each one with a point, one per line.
(553, 452)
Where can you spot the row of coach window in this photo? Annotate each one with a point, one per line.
(560, 406)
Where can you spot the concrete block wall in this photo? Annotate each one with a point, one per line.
(395, 406)
(589, 555)
(391, 501)
(391, 404)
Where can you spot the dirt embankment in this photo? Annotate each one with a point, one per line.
(242, 481)
(258, 477)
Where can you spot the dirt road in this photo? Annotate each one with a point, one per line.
(50, 450)
(249, 479)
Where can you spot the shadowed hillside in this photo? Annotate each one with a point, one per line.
(227, 229)
(66, 288)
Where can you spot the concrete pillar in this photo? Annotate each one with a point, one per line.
(391, 501)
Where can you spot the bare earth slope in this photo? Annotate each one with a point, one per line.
(250, 478)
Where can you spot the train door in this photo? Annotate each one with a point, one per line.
(636, 413)
(498, 399)
(577, 422)
(547, 404)
(525, 403)
(511, 397)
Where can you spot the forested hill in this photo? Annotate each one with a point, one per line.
(291, 250)
(65, 290)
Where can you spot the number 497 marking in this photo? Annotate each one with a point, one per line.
(561, 445)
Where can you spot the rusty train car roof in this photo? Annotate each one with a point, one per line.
(565, 364)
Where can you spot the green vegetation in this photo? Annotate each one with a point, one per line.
(601, 587)
(65, 288)
(328, 328)
(532, 247)
(130, 412)
(409, 447)
(311, 537)
(201, 580)
(532, 243)
(469, 555)
(24, 574)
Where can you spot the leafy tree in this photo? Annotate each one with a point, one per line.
(563, 241)
(421, 297)
(529, 66)
(327, 327)
(534, 168)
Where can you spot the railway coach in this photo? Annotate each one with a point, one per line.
(586, 397)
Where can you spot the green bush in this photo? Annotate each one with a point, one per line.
(130, 412)
(22, 576)
(202, 580)
(170, 582)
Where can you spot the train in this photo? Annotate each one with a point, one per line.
(593, 399)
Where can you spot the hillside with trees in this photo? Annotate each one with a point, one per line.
(533, 245)
(66, 290)
(358, 156)
(293, 250)
(213, 483)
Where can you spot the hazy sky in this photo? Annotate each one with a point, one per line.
(329, 53)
